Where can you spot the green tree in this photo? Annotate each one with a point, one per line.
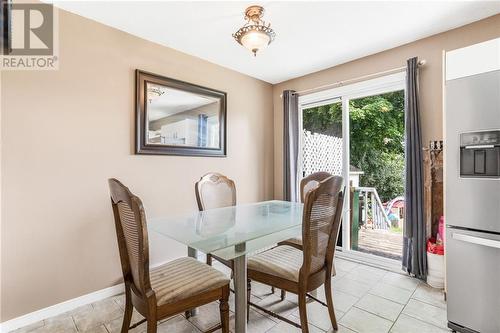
(376, 138)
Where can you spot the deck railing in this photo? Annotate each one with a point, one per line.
(366, 207)
(371, 208)
(372, 204)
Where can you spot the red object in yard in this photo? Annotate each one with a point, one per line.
(399, 204)
(440, 235)
(434, 248)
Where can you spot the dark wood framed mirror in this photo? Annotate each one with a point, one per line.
(178, 118)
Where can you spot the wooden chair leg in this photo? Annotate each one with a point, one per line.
(329, 302)
(249, 294)
(129, 308)
(151, 318)
(209, 259)
(224, 310)
(152, 325)
(303, 312)
(283, 294)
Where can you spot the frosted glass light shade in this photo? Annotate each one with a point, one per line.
(255, 40)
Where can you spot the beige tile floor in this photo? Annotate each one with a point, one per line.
(367, 300)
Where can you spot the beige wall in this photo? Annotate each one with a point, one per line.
(65, 132)
(430, 49)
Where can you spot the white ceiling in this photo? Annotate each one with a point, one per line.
(310, 35)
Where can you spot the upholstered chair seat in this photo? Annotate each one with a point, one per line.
(183, 278)
(282, 261)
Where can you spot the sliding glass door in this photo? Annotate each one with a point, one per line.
(357, 131)
(376, 143)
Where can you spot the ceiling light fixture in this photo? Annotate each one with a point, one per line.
(154, 93)
(255, 34)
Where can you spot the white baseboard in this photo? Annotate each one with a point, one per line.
(60, 308)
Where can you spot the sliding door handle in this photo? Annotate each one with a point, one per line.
(476, 240)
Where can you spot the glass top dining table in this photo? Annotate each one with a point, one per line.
(232, 233)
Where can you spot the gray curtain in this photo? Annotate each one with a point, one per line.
(414, 241)
(290, 144)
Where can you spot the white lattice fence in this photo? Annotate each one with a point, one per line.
(321, 153)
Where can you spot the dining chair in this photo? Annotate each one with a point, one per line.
(306, 184)
(215, 190)
(302, 271)
(166, 290)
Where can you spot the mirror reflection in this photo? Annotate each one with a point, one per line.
(181, 118)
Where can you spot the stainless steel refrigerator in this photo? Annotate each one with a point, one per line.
(472, 199)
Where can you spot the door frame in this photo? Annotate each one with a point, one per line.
(380, 85)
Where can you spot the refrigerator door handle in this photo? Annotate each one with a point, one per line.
(476, 240)
(480, 147)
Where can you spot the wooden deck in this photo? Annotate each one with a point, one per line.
(381, 242)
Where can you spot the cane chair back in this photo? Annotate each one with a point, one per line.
(131, 231)
(311, 181)
(321, 224)
(214, 190)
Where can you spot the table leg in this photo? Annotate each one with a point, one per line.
(193, 253)
(240, 291)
